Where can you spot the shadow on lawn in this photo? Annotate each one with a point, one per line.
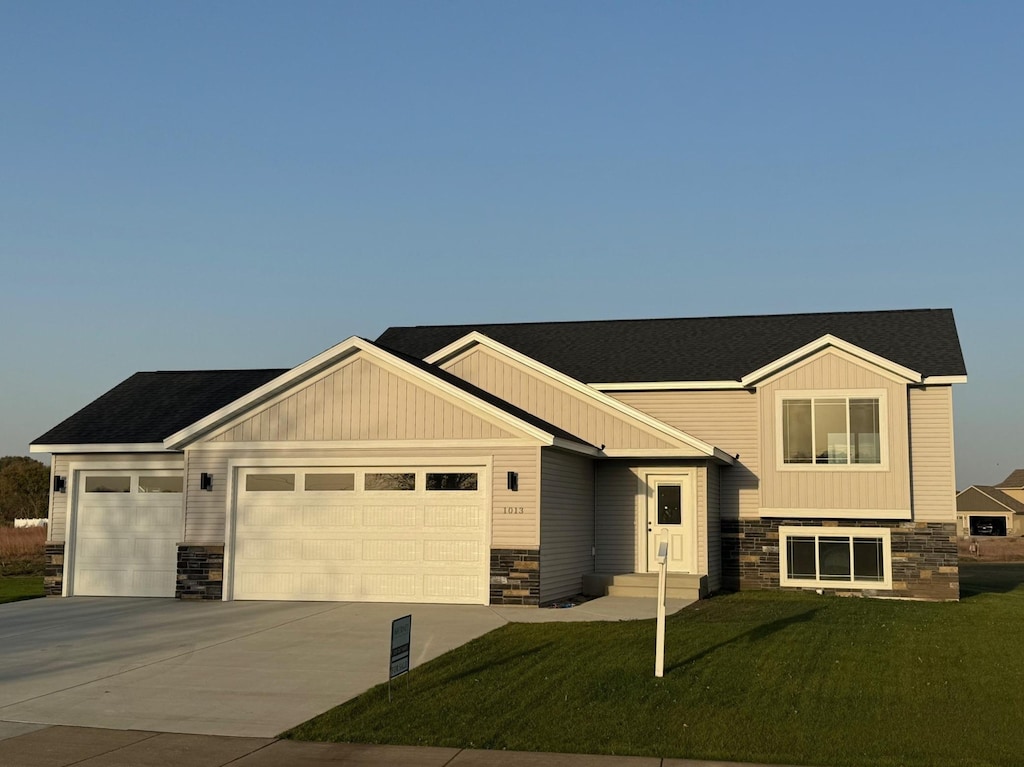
(754, 635)
(990, 578)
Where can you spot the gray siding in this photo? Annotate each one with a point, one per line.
(617, 490)
(566, 523)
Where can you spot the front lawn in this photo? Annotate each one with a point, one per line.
(14, 588)
(773, 677)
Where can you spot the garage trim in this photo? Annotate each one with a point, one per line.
(75, 470)
(483, 463)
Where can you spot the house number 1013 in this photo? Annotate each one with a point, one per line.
(513, 509)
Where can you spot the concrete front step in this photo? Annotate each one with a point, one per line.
(679, 585)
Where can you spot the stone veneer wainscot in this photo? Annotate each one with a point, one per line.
(200, 571)
(925, 563)
(515, 576)
(53, 569)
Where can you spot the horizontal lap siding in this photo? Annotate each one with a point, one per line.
(552, 401)
(566, 523)
(59, 502)
(360, 400)
(726, 419)
(714, 528)
(931, 453)
(205, 520)
(617, 490)
(834, 488)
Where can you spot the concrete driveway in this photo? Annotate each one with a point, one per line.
(219, 668)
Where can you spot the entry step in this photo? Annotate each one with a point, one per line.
(679, 585)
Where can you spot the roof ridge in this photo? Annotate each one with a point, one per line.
(670, 319)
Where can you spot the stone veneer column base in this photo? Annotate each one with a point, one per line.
(53, 569)
(515, 576)
(200, 571)
(925, 563)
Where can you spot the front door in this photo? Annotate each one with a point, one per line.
(671, 516)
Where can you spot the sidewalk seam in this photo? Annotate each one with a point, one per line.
(113, 750)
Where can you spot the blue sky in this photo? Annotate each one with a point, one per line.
(243, 184)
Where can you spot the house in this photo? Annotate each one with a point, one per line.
(992, 509)
(525, 463)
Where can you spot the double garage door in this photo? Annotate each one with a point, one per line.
(387, 534)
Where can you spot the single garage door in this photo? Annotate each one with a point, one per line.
(362, 534)
(127, 525)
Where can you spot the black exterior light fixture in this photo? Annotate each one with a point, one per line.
(513, 480)
(205, 481)
(60, 484)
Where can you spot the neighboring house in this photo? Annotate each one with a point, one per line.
(523, 463)
(992, 509)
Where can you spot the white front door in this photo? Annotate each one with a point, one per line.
(671, 517)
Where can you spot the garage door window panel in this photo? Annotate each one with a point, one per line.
(337, 482)
(108, 484)
(455, 481)
(151, 484)
(390, 481)
(270, 483)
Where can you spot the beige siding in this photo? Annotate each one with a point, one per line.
(206, 511)
(554, 402)
(566, 523)
(360, 400)
(931, 454)
(60, 502)
(820, 489)
(726, 419)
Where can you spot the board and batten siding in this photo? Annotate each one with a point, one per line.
(57, 531)
(822, 489)
(555, 402)
(726, 419)
(206, 510)
(933, 471)
(360, 400)
(566, 523)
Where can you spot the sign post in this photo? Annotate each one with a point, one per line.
(401, 639)
(659, 649)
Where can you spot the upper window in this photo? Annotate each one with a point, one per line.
(835, 557)
(832, 430)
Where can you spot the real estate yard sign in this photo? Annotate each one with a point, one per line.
(401, 638)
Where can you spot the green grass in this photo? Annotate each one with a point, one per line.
(757, 676)
(15, 588)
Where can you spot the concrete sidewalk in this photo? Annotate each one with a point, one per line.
(24, 745)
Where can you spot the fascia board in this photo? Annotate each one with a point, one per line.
(333, 355)
(264, 392)
(939, 380)
(824, 342)
(667, 386)
(107, 447)
(476, 337)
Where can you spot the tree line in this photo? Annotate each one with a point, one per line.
(24, 488)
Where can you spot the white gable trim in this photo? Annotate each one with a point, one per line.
(477, 338)
(322, 361)
(825, 342)
(938, 380)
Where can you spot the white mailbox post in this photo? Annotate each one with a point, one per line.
(659, 649)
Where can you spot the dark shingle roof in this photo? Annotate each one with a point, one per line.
(147, 407)
(704, 348)
(1015, 480)
(987, 498)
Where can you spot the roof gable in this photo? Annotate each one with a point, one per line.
(987, 498)
(286, 390)
(705, 348)
(582, 409)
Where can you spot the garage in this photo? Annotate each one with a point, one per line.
(366, 534)
(127, 525)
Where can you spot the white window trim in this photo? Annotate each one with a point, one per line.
(812, 394)
(818, 532)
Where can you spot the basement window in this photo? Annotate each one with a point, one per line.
(835, 557)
